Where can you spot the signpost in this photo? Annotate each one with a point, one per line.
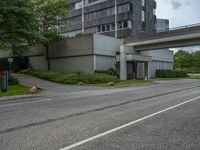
(10, 61)
(4, 80)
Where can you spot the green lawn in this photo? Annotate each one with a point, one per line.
(167, 79)
(194, 77)
(123, 83)
(15, 90)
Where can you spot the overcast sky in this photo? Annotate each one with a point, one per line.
(180, 13)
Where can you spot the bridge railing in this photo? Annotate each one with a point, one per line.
(178, 28)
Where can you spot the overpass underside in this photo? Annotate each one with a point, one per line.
(189, 36)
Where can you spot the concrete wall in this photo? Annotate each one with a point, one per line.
(74, 54)
(104, 62)
(105, 49)
(81, 63)
(160, 55)
(82, 53)
(161, 59)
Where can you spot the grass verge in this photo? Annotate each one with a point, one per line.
(166, 79)
(194, 77)
(124, 83)
(15, 90)
(72, 77)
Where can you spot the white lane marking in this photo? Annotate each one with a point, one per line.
(126, 125)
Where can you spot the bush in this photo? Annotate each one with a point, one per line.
(171, 74)
(19, 63)
(110, 71)
(72, 77)
(12, 81)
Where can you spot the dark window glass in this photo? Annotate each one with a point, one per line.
(120, 26)
(108, 27)
(103, 28)
(112, 26)
(125, 24)
(98, 28)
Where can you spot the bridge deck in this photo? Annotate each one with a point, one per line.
(166, 34)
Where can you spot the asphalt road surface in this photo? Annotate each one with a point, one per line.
(161, 116)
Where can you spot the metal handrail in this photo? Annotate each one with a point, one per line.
(178, 28)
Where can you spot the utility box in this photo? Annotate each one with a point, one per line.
(4, 80)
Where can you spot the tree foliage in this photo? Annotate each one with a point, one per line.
(184, 59)
(18, 25)
(49, 14)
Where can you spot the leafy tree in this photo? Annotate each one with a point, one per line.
(183, 59)
(49, 14)
(196, 59)
(18, 25)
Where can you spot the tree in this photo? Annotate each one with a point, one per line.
(196, 59)
(50, 13)
(183, 59)
(18, 25)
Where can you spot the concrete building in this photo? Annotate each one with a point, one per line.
(98, 49)
(162, 25)
(134, 17)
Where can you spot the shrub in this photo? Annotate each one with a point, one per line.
(110, 71)
(12, 81)
(171, 74)
(72, 77)
(18, 64)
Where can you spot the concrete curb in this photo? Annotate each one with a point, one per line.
(13, 98)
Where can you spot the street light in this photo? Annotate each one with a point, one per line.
(83, 19)
(116, 19)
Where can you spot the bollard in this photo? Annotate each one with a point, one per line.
(4, 81)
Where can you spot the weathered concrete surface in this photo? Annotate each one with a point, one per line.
(56, 122)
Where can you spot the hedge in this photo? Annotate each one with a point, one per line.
(110, 71)
(171, 74)
(72, 77)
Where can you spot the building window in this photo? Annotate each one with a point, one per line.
(127, 24)
(78, 5)
(154, 11)
(120, 25)
(98, 28)
(103, 28)
(112, 26)
(143, 16)
(143, 26)
(108, 27)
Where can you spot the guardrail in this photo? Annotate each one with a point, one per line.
(178, 28)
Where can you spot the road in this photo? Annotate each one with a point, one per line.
(160, 116)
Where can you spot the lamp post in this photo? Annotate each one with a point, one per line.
(116, 19)
(83, 18)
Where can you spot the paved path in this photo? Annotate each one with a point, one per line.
(51, 87)
(80, 123)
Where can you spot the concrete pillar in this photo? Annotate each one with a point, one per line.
(146, 70)
(123, 63)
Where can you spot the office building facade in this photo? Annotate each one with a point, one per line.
(99, 16)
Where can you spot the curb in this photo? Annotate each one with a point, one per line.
(13, 98)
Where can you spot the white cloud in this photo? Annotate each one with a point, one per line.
(180, 13)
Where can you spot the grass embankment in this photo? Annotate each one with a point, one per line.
(89, 79)
(124, 83)
(72, 77)
(15, 90)
(194, 77)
